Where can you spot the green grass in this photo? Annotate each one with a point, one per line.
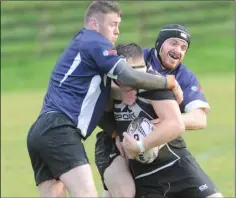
(213, 146)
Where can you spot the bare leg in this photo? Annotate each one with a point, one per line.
(79, 182)
(123, 184)
(52, 188)
(216, 195)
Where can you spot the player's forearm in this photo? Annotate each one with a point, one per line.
(195, 119)
(139, 80)
(164, 132)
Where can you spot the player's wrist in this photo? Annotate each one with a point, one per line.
(141, 146)
(170, 81)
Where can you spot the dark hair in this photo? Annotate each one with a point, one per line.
(129, 50)
(101, 7)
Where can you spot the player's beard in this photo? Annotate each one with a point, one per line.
(168, 61)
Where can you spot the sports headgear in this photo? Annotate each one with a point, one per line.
(172, 31)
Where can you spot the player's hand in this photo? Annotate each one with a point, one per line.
(119, 146)
(130, 146)
(179, 96)
(128, 95)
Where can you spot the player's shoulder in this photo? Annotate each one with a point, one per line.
(147, 52)
(184, 74)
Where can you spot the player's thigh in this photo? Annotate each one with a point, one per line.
(196, 181)
(52, 188)
(103, 149)
(58, 143)
(118, 178)
(62, 149)
(41, 170)
(66, 157)
(105, 152)
(106, 194)
(79, 181)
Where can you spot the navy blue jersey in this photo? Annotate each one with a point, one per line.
(193, 95)
(79, 85)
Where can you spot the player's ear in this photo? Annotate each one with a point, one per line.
(94, 23)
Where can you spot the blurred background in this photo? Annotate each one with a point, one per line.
(33, 34)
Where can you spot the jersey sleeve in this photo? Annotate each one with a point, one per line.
(106, 58)
(193, 95)
(157, 94)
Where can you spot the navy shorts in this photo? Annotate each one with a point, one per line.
(54, 146)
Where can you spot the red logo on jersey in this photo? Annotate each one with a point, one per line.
(196, 88)
(109, 52)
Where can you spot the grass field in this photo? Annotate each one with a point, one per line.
(213, 147)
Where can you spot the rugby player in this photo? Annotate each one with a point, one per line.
(77, 93)
(170, 48)
(162, 102)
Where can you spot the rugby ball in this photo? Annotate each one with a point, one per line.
(138, 129)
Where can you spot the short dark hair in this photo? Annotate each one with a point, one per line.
(129, 50)
(102, 7)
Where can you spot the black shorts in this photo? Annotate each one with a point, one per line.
(184, 179)
(54, 146)
(105, 152)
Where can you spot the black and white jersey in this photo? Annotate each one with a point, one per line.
(124, 114)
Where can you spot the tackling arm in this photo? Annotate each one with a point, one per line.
(136, 79)
(195, 119)
(195, 105)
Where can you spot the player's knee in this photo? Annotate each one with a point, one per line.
(128, 191)
(123, 191)
(106, 194)
(123, 185)
(216, 195)
(52, 188)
